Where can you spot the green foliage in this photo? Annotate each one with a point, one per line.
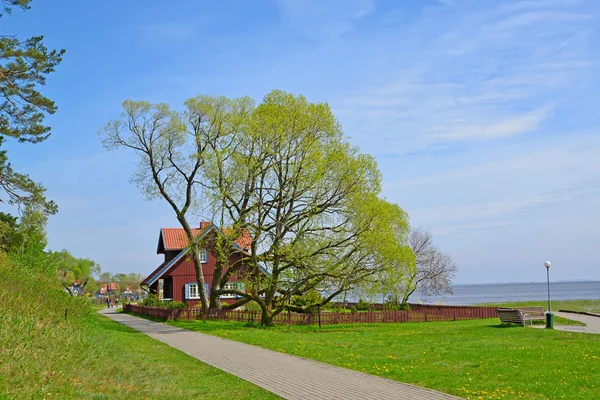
(175, 304)
(391, 305)
(363, 305)
(337, 231)
(70, 269)
(253, 306)
(309, 300)
(151, 301)
(8, 4)
(24, 66)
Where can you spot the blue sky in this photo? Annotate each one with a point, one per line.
(482, 114)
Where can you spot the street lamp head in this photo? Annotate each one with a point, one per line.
(547, 264)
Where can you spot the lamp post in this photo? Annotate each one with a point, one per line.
(549, 314)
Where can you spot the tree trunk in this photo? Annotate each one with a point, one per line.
(215, 297)
(200, 279)
(266, 319)
(267, 315)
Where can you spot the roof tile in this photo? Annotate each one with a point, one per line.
(176, 239)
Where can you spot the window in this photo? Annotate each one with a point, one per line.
(232, 286)
(194, 291)
(203, 256)
(229, 286)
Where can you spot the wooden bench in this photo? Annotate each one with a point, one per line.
(534, 312)
(514, 316)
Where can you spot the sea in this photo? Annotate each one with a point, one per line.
(505, 292)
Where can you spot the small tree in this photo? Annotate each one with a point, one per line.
(104, 279)
(70, 269)
(431, 274)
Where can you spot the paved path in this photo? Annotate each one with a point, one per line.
(593, 323)
(287, 376)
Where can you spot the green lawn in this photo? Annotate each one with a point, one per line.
(471, 359)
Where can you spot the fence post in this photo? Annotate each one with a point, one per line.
(319, 311)
(426, 314)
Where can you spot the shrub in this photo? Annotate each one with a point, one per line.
(253, 306)
(151, 301)
(363, 305)
(308, 298)
(175, 304)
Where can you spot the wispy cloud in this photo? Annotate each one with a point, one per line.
(485, 73)
(325, 20)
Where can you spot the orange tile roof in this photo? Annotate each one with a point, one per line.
(176, 239)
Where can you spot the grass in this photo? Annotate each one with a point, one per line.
(478, 359)
(88, 356)
(559, 321)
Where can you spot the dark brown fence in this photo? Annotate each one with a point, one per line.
(424, 314)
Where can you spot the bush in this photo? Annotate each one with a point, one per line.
(253, 306)
(175, 304)
(308, 298)
(151, 301)
(363, 305)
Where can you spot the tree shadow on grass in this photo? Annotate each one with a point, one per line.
(506, 326)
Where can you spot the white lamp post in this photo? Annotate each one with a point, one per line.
(549, 315)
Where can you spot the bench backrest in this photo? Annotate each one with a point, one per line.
(510, 315)
(533, 310)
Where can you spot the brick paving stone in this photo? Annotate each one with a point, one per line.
(288, 376)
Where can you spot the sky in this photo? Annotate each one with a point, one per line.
(482, 114)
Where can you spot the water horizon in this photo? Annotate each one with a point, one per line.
(468, 294)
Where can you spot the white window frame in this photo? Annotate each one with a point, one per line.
(194, 293)
(203, 256)
(229, 286)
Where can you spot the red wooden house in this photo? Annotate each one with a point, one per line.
(175, 278)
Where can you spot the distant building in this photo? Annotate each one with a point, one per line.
(109, 288)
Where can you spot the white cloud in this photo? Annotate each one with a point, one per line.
(510, 126)
(477, 73)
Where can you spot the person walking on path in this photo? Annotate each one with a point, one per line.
(117, 302)
(107, 302)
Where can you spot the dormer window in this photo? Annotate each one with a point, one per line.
(203, 256)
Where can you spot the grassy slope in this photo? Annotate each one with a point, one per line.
(466, 358)
(91, 357)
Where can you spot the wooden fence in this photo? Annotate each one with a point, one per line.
(424, 314)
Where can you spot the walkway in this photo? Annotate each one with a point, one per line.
(287, 376)
(593, 323)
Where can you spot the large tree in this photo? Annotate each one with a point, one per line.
(308, 199)
(24, 65)
(171, 148)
